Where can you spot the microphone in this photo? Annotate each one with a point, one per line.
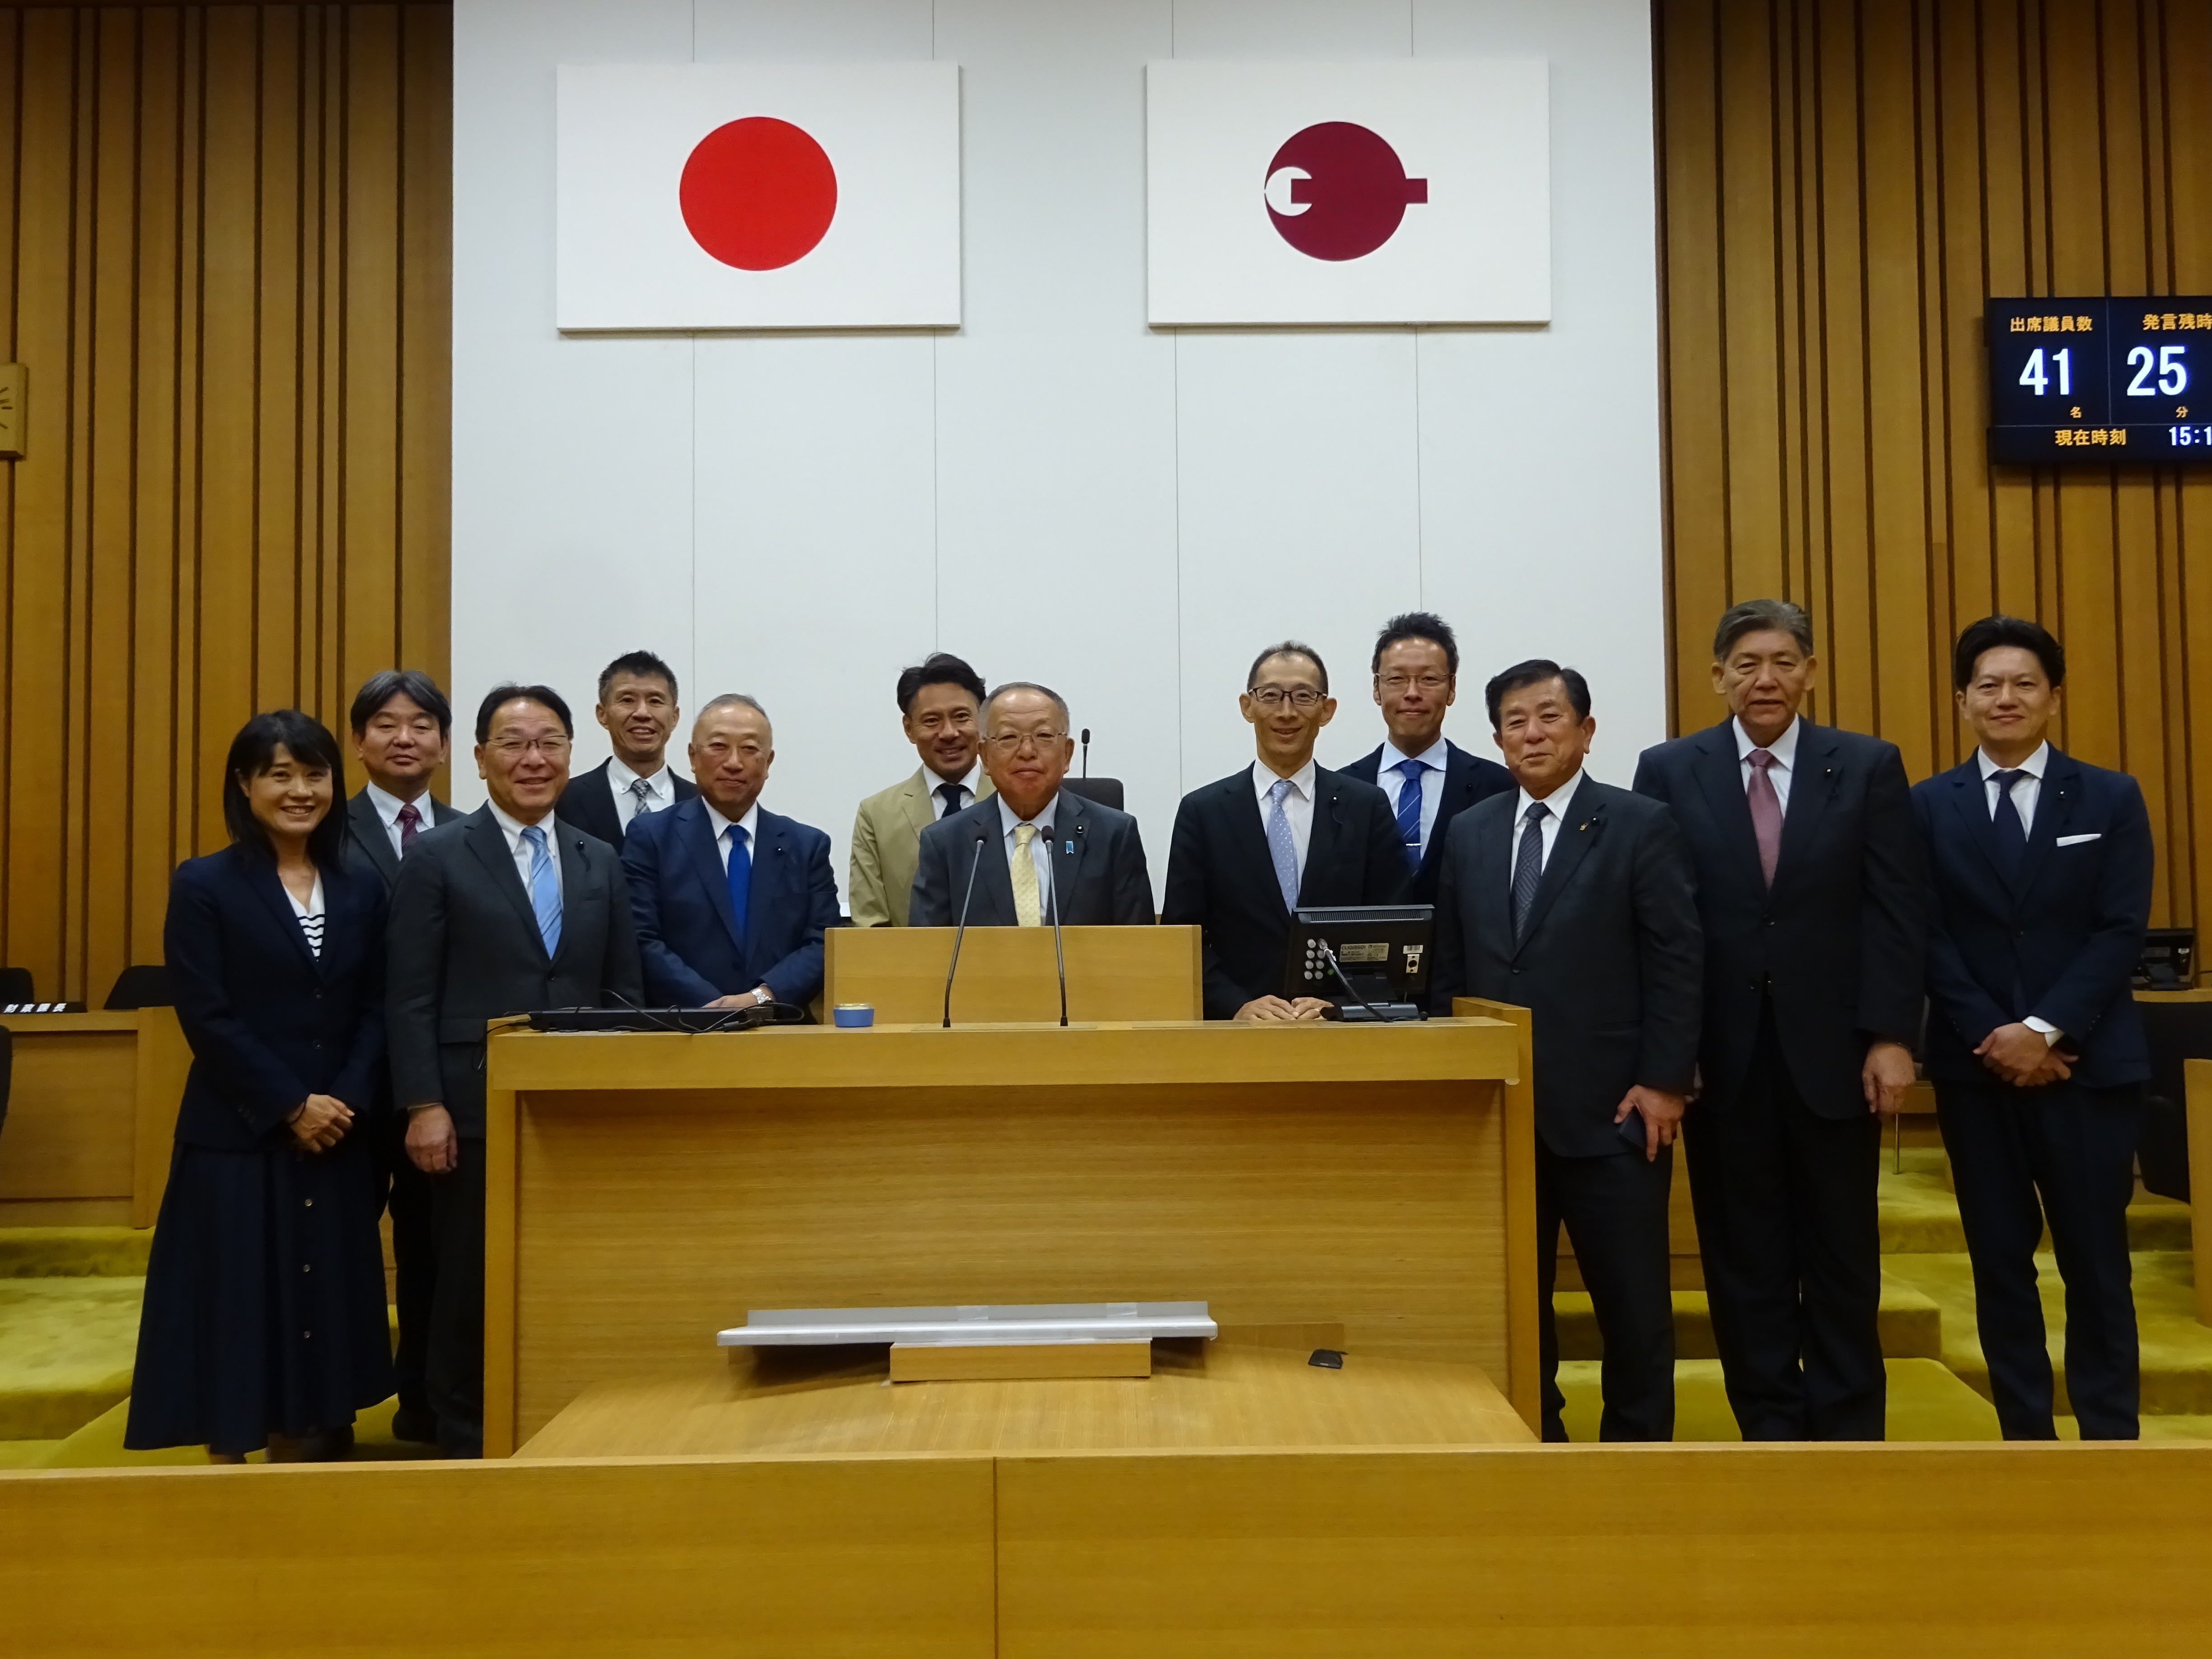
(974, 864)
(1059, 961)
(1086, 769)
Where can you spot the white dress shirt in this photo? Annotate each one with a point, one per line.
(933, 783)
(1432, 795)
(1556, 806)
(1297, 805)
(1784, 750)
(750, 823)
(660, 791)
(2025, 792)
(388, 807)
(1040, 848)
(520, 848)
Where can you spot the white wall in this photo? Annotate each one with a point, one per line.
(1055, 491)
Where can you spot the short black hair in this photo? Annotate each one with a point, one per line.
(1287, 648)
(381, 688)
(1535, 671)
(640, 663)
(253, 751)
(938, 668)
(509, 693)
(1417, 625)
(1991, 632)
(1757, 617)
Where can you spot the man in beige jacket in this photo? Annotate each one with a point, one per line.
(939, 701)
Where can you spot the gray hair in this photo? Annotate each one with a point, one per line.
(1058, 701)
(732, 699)
(1757, 616)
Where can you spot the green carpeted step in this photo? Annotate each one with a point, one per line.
(1926, 1402)
(26, 1454)
(74, 1252)
(1912, 1324)
(1920, 1213)
(66, 1350)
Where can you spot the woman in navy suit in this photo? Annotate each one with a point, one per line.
(264, 1320)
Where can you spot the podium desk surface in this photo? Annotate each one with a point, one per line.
(1201, 1396)
(1025, 1055)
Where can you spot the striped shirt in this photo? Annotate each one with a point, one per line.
(311, 916)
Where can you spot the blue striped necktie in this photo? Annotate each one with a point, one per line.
(545, 889)
(1409, 809)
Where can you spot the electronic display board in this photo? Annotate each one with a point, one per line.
(2100, 380)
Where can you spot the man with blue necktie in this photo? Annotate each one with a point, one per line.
(731, 900)
(1429, 780)
(505, 911)
(2042, 871)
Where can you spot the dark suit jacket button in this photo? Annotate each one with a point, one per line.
(318, 1042)
(1751, 984)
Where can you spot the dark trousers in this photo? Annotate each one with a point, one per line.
(1615, 1212)
(2074, 1149)
(1791, 1237)
(415, 1268)
(454, 1363)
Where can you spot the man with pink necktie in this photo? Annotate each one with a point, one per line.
(1812, 889)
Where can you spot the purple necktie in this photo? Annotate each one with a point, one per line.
(1766, 813)
(410, 822)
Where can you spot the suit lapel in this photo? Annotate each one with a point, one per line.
(1812, 789)
(2054, 806)
(1246, 824)
(1970, 802)
(1070, 827)
(695, 833)
(368, 830)
(1720, 775)
(1493, 866)
(1568, 851)
(917, 802)
(487, 842)
(1327, 832)
(261, 875)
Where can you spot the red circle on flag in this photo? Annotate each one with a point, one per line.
(758, 193)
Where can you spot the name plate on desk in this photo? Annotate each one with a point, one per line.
(1031, 1323)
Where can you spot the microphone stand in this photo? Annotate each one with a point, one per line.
(974, 864)
(1059, 961)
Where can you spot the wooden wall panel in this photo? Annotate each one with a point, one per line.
(225, 260)
(1844, 182)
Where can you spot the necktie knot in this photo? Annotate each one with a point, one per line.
(1762, 759)
(737, 837)
(1536, 814)
(950, 793)
(1023, 835)
(535, 834)
(641, 789)
(2004, 780)
(408, 816)
(1280, 793)
(1410, 770)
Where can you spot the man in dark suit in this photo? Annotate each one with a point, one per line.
(1277, 837)
(637, 707)
(506, 911)
(1059, 854)
(2042, 872)
(1812, 889)
(731, 900)
(1576, 900)
(1429, 780)
(401, 732)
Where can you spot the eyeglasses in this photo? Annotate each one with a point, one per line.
(1009, 743)
(1300, 697)
(515, 748)
(1395, 683)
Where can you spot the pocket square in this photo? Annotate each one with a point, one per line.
(2076, 841)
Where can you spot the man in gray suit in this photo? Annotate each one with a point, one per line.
(401, 734)
(506, 911)
(1575, 901)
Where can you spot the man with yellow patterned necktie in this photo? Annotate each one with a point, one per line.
(1056, 849)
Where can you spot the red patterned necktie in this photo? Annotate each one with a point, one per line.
(1766, 813)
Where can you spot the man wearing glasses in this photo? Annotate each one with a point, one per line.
(506, 911)
(1052, 852)
(1429, 780)
(1282, 834)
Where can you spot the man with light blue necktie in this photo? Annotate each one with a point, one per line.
(1272, 838)
(504, 911)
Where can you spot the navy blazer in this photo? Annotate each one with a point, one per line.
(1099, 875)
(2060, 942)
(269, 1022)
(1221, 875)
(1839, 944)
(1610, 964)
(687, 934)
(588, 803)
(1467, 779)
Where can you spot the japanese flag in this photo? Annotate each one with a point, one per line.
(1409, 191)
(759, 196)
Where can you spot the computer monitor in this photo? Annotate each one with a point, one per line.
(1382, 949)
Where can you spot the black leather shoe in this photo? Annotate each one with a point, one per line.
(416, 1428)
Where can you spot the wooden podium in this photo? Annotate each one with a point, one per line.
(648, 1190)
(1007, 973)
